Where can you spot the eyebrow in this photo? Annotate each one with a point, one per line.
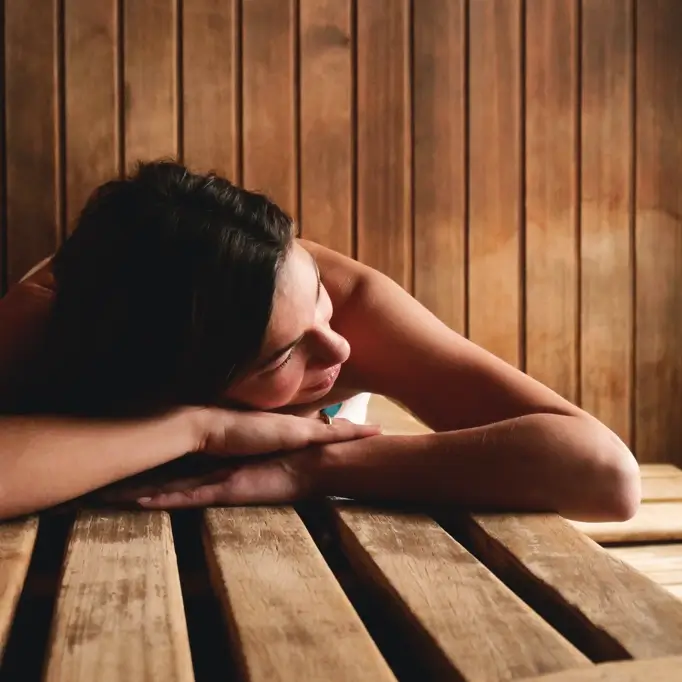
(273, 356)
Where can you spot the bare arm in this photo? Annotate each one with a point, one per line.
(538, 462)
(46, 461)
(504, 438)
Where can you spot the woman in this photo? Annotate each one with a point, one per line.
(183, 316)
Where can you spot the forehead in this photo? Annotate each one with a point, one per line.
(295, 299)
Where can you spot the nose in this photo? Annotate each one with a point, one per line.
(328, 347)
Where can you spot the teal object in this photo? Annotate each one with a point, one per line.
(332, 410)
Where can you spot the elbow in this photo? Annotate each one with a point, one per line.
(624, 490)
(619, 487)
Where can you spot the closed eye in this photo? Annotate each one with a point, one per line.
(285, 361)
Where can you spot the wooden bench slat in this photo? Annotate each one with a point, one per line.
(462, 617)
(659, 470)
(119, 613)
(654, 521)
(613, 610)
(675, 590)
(17, 539)
(661, 563)
(657, 670)
(662, 488)
(289, 616)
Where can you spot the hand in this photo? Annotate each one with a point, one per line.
(277, 480)
(229, 432)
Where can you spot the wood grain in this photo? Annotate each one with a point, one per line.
(658, 382)
(384, 141)
(551, 125)
(91, 108)
(660, 562)
(610, 609)
(675, 590)
(649, 470)
(3, 174)
(606, 213)
(440, 189)
(653, 521)
(269, 93)
(465, 623)
(210, 93)
(32, 148)
(150, 72)
(288, 615)
(661, 489)
(119, 613)
(495, 177)
(663, 669)
(17, 539)
(326, 119)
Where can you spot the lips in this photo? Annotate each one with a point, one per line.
(328, 381)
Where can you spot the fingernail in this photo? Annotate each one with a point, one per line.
(144, 500)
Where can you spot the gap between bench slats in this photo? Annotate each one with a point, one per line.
(17, 539)
(466, 624)
(656, 670)
(289, 617)
(608, 608)
(119, 614)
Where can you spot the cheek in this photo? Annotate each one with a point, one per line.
(269, 391)
(284, 384)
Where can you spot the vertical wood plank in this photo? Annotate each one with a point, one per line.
(326, 100)
(31, 100)
(551, 263)
(3, 174)
(384, 138)
(659, 232)
(606, 259)
(269, 106)
(439, 106)
(210, 86)
(150, 72)
(91, 82)
(495, 180)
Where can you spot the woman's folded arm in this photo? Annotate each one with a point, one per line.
(46, 460)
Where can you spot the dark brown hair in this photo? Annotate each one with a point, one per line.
(164, 291)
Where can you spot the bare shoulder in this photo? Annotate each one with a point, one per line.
(400, 349)
(340, 274)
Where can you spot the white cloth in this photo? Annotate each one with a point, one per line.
(355, 409)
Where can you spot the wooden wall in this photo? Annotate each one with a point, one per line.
(516, 165)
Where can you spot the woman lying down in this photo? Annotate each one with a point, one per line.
(184, 319)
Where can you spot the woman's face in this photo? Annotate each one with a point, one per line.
(301, 355)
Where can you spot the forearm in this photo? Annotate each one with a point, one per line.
(541, 462)
(45, 461)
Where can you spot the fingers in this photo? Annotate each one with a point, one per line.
(268, 483)
(296, 433)
(341, 429)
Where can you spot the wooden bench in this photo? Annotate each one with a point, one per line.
(331, 592)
